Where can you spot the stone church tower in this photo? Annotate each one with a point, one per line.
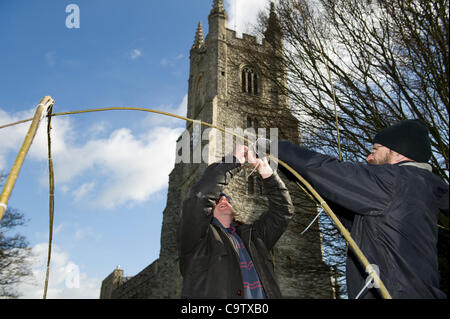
(228, 89)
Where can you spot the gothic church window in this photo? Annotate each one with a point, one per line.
(249, 81)
(199, 95)
(252, 122)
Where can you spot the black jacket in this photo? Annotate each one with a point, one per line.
(394, 211)
(208, 263)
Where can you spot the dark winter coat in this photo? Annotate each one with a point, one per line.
(392, 214)
(208, 262)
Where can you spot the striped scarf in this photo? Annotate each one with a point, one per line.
(253, 288)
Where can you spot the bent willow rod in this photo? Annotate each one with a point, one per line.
(48, 101)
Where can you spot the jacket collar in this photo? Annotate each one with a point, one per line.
(424, 166)
(232, 228)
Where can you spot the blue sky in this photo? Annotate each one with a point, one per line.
(111, 168)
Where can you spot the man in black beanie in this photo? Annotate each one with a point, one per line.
(390, 205)
(407, 141)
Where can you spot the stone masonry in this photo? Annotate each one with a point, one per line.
(226, 90)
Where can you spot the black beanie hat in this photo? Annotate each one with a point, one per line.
(409, 138)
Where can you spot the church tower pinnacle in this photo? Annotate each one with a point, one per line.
(218, 19)
(273, 33)
(199, 40)
(218, 7)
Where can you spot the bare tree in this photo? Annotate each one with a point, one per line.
(354, 67)
(387, 61)
(14, 254)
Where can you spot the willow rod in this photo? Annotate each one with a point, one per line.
(345, 233)
(51, 180)
(40, 113)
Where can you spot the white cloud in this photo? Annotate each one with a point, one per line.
(132, 167)
(172, 61)
(82, 233)
(135, 53)
(9, 136)
(66, 280)
(182, 108)
(242, 15)
(59, 228)
(155, 120)
(123, 168)
(99, 128)
(12, 137)
(81, 191)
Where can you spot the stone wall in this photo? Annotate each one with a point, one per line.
(216, 96)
